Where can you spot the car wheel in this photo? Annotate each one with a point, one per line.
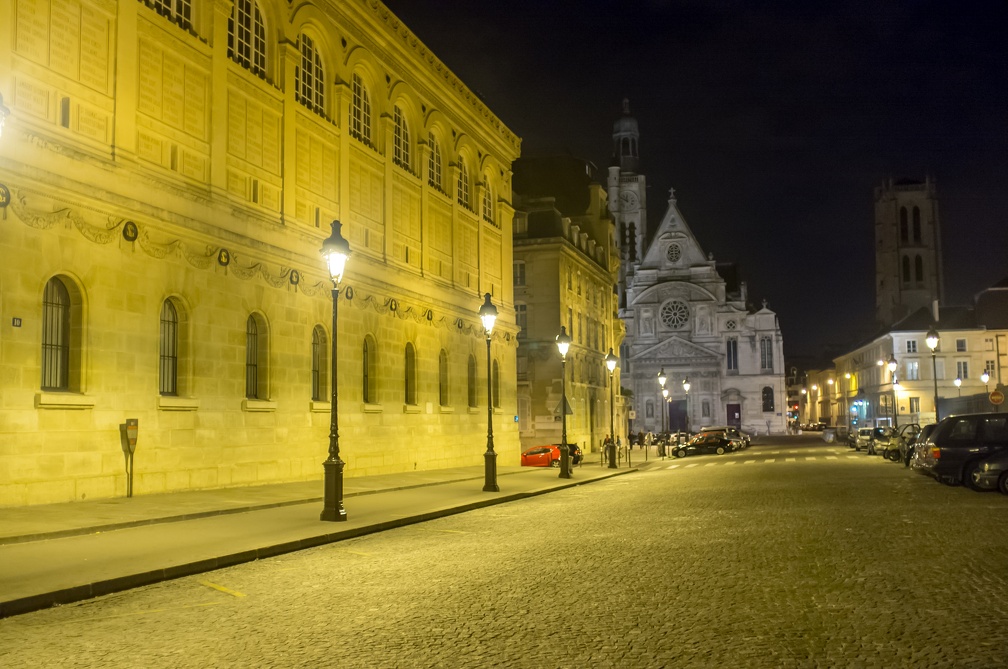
(554, 463)
(720, 450)
(1003, 483)
(681, 453)
(967, 477)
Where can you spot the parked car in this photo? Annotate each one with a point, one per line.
(549, 455)
(959, 444)
(899, 441)
(710, 442)
(992, 473)
(863, 438)
(738, 438)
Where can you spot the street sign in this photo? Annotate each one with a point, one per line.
(996, 397)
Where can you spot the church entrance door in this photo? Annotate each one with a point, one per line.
(677, 416)
(735, 415)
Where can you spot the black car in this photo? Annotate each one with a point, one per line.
(954, 451)
(704, 443)
(992, 473)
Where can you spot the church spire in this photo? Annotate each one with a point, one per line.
(625, 139)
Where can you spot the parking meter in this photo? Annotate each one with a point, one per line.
(128, 432)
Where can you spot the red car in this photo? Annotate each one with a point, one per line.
(548, 456)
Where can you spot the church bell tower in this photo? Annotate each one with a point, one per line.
(627, 196)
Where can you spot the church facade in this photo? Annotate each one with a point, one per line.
(688, 316)
(168, 173)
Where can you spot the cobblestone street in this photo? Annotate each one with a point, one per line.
(813, 556)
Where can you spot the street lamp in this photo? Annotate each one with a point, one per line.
(661, 382)
(610, 363)
(488, 314)
(892, 365)
(686, 387)
(984, 378)
(932, 343)
(664, 393)
(336, 251)
(958, 385)
(563, 342)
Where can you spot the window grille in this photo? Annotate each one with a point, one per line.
(168, 377)
(732, 354)
(319, 356)
(409, 382)
(247, 37)
(309, 86)
(360, 111)
(176, 11)
(55, 336)
(251, 359)
(471, 376)
(464, 198)
(434, 176)
(443, 378)
(401, 141)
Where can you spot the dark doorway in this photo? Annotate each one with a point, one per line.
(677, 415)
(734, 412)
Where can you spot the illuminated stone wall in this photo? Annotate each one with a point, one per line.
(145, 164)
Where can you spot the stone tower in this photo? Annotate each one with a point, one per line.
(627, 196)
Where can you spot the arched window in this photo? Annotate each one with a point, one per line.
(369, 361)
(496, 384)
(471, 377)
(766, 353)
(768, 399)
(464, 195)
(256, 358)
(916, 224)
(488, 208)
(919, 269)
(56, 328)
(903, 220)
(319, 363)
(434, 175)
(906, 269)
(168, 350)
(904, 232)
(409, 374)
(731, 354)
(177, 11)
(443, 378)
(309, 86)
(360, 111)
(247, 37)
(401, 140)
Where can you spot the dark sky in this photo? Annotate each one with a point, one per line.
(773, 121)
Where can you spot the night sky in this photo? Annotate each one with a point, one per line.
(772, 121)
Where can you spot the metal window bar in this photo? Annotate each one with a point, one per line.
(410, 377)
(168, 377)
(318, 345)
(366, 368)
(55, 336)
(251, 359)
(472, 381)
(443, 379)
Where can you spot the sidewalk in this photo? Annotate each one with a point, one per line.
(61, 553)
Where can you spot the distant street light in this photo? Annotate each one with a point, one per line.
(958, 385)
(336, 251)
(985, 377)
(686, 387)
(610, 363)
(563, 342)
(488, 315)
(892, 364)
(932, 343)
(661, 382)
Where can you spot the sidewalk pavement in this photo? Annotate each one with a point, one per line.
(61, 553)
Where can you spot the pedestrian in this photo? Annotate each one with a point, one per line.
(640, 438)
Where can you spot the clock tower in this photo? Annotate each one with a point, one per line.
(627, 196)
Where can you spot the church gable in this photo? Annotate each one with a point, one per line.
(679, 349)
(674, 246)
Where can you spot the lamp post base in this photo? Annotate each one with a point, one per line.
(490, 472)
(333, 509)
(612, 456)
(565, 467)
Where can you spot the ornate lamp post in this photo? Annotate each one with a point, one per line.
(686, 387)
(336, 252)
(984, 378)
(958, 384)
(661, 382)
(892, 364)
(610, 363)
(488, 314)
(932, 343)
(563, 342)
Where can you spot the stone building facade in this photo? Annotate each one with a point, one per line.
(169, 172)
(688, 315)
(565, 268)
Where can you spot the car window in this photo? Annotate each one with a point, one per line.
(964, 429)
(995, 428)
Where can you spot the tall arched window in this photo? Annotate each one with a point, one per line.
(369, 361)
(409, 374)
(916, 224)
(768, 399)
(247, 37)
(168, 350)
(360, 111)
(471, 378)
(904, 232)
(496, 384)
(903, 219)
(919, 269)
(443, 378)
(309, 86)
(766, 353)
(256, 358)
(434, 170)
(178, 11)
(400, 140)
(464, 195)
(319, 364)
(56, 328)
(488, 208)
(731, 354)
(906, 269)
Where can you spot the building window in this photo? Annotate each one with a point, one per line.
(409, 374)
(913, 370)
(911, 346)
(521, 320)
(434, 178)
(247, 37)
(766, 354)
(731, 347)
(256, 358)
(914, 405)
(962, 369)
(471, 378)
(903, 221)
(319, 360)
(368, 363)
(519, 273)
(903, 227)
(309, 84)
(400, 140)
(360, 111)
(56, 327)
(960, 345)
(768, 399)
(464, 195)
(705, 409)
(177, 11)
(916, 224)
(989, 368)
(443, 378)
(168, 350)
(496, 384)
(674, 314)
(906, 269)
(488, 208)
(918, 269)
(649, 409)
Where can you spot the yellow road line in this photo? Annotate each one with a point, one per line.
(228, 591)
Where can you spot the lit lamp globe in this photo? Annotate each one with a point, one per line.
(984, 377)
(336, 250)
(610, 361)
(488, 314)
(686, 384)
(892, 364)
(662, 378)
(932, 339)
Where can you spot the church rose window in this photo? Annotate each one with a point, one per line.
(674, 314)
(673, 253)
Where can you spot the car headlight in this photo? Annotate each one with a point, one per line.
(985, 467)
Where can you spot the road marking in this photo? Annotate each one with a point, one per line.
(748, 462)
(712, 464)
(671, 466)
(831, 457)
(434, 529)
(811, 457)
(346, 550)
(221, 588)
(691, 465)
(730, 462)
(769, 460)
